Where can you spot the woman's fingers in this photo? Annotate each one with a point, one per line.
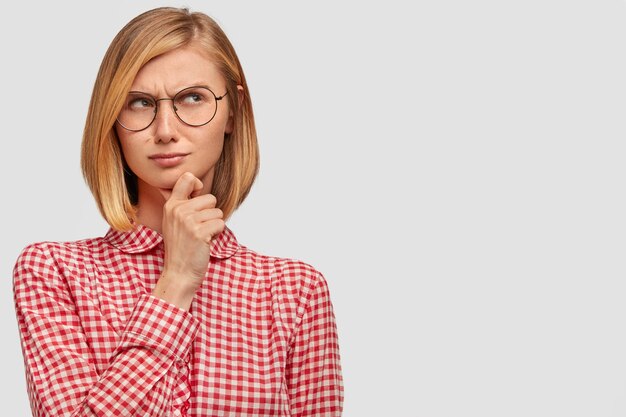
(185, 186)
(210, 228)
(202, 202)
(206, 224)
(206, 215)
(198, 209)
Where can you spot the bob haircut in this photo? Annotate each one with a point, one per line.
(147, 36)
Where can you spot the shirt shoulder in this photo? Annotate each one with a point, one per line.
(54, 249)
(292, 275)
(50, 257)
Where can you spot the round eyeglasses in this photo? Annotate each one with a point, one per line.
(194, 106)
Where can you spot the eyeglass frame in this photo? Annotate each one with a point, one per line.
(156, 107)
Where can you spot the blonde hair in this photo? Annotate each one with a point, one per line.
(147, 36)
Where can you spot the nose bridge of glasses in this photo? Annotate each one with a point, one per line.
(166, 99)
(156, 107)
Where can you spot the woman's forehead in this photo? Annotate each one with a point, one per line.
(177, 69)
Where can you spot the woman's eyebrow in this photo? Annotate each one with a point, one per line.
(174, 91)
(196, 84)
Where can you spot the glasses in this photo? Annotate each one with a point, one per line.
(194, 106)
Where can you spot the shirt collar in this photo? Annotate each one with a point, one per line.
(142, 239)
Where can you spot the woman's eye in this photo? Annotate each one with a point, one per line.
(192, 98)
(140, 103)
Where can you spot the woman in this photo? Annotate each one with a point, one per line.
(168, 314)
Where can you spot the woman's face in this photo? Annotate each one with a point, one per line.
(160, 154)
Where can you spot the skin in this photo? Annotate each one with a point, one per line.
(176, 200)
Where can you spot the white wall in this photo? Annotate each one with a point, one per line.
(455, 169)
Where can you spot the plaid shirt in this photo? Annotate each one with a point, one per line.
(259, 340)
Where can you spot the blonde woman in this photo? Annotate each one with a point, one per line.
(167, 314)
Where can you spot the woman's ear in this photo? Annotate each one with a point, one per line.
(230, 125)
(240, 94)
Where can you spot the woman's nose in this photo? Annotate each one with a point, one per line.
(165, 121)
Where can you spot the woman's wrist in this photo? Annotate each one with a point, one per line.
(175, 290)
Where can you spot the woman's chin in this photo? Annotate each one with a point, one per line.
(166, 181)
(153, 185)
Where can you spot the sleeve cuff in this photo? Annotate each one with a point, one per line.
(157, 324)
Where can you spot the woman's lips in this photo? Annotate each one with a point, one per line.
(167, 160)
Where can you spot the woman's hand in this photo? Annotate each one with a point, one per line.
(190, 221)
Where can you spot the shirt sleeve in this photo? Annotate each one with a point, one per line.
(61, 376)
(313, 373)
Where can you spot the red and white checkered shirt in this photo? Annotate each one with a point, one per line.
(259, 340)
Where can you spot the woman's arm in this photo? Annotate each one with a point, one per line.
(61, 374)
(314, 380)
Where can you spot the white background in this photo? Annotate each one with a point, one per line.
(454, 168)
